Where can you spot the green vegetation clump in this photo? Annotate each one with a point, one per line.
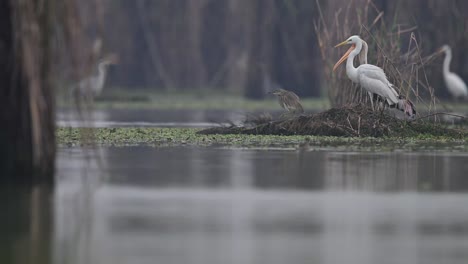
(166, 137)
(175, 137)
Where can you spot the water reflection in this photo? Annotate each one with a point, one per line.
(271, 169)
(206, 205)
(397, 171)
(25, 224)
(183, 226)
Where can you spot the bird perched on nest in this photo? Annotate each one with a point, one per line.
(372, 78)
(454, 83)
(289, 101)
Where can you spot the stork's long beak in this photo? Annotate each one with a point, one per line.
(341, 44)
(113, 59)
(440, 50)
(345, 56)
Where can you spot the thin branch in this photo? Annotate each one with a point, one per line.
(437, 114)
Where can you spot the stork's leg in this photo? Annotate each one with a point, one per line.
(371, 101)
(382, 106)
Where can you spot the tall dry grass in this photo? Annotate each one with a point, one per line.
(392, 46)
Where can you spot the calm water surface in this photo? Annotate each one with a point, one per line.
(245, 206)
(152, 118)
(211, 205)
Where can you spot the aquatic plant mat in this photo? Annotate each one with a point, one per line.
(348, 121)
(347, 128)
(189, 137)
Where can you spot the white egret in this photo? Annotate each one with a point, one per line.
(94, 84)
(363, 60)
(372, 78)
(454, 83)
(363, 53)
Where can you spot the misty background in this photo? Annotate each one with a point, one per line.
(238, 46)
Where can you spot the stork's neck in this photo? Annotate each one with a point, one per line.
(102, 70)
(363, 53)
(447, 60)
(351, 71)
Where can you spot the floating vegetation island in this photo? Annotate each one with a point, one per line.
(348, 128)
(356, 121)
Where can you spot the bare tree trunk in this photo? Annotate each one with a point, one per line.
(196, 71)
(235, 63)
(152, 47)
(27, 138)
(260, 56)
(28, 236)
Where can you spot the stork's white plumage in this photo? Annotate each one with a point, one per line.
(93, 85)
(363, 60)
(372, 78)
(454, 83)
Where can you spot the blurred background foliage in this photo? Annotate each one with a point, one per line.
(248, 46)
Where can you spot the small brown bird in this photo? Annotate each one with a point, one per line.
(289, 101)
